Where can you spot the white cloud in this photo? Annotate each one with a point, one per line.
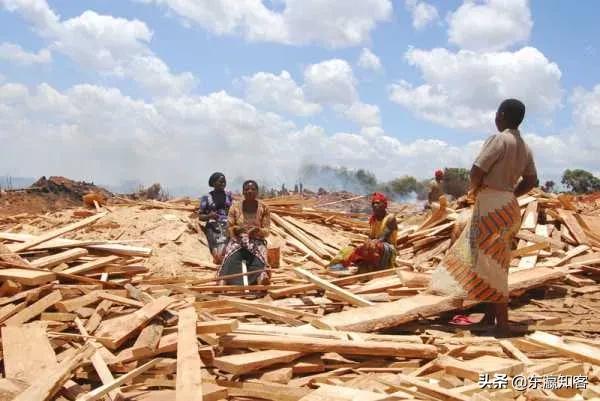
(15, 53)
(112, 46)
(490, 24)
(278, 93)
(333, 23)
(365, 115)
(330, 82)
(422, 13)
(463, 89)
(369, 60)
(106, 136)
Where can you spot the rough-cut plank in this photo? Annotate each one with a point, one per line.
(300, 236)
(583, 352)
(264, 391)
(239, 364)
(57, 233)
(73, 304)
(7, 255)
(69, 255)
(148, 340)
(471, 369)
(34, 309)
(432, 389)
(119, 329)
(340, 292)
(573, 225)
(530, 217)
(94, 320)
(392, 314)
(513, 351)
(311, 344)
(27, 277)
(189, 375)
(99, 364)
(578, 250)
(531, 237)
(217, 326)
(117, 249)
(94, 264)
(303, 288)
(101, 391)
(327, 392)
(45, 386)
(27, 353)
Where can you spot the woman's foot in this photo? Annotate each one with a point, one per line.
(263, 279)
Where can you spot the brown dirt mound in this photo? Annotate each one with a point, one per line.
(47, 194)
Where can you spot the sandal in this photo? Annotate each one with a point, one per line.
(461, 320)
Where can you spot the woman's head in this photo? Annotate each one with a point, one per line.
(217, 181)
(250, 189)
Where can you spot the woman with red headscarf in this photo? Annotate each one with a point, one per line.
(379, 251)
(435, 190)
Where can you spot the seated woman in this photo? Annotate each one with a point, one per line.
(379, 251)
(214, 208)
(249, 225)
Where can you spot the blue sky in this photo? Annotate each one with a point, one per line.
(164, 90)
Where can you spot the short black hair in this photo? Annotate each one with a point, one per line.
(247, 182)
(514, 112)
(214, 177)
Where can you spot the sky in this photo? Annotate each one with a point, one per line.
(169, 91)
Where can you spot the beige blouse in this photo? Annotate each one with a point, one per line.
(236, 218)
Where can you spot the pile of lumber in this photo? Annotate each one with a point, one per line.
(86, 319)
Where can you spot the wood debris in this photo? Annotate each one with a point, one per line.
(94, 306)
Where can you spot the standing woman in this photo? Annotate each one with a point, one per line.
(214, 208)
(249, 223)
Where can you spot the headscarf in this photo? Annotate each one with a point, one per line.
(378, 197)
(214, 177)
(439, 174)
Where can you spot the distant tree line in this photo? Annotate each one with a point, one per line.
(456, 181)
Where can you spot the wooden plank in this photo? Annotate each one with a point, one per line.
(44, 387)
(121, 328)
(513, 351)
(432, 389)
(531, 237)
(530, 217)
(58, 232)
(303, 288)
(407, 309)
(239, 364)
(73, 304)
(27, 352)
(27, 276)
(101, 391)
(578, 250)
(189, 375)
(264, 391)
(340, 292)
(217, 326)
(50, 261)
(312, 344)
(94, 320)
(580, 351)
(98, 362)
(471, 369)
(300, 236)
(117, 249)
(7, 255)
(34, 309)
(120, 300)
(148, 340)
(327, 392)
(94, 264)
(573, 225)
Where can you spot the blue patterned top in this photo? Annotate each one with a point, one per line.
(207, 205)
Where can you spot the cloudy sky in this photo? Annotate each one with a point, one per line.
(171, 90)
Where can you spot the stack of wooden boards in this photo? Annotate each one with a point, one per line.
(85, 320)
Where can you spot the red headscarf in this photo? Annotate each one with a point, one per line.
(378, 197)
(439, 174)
